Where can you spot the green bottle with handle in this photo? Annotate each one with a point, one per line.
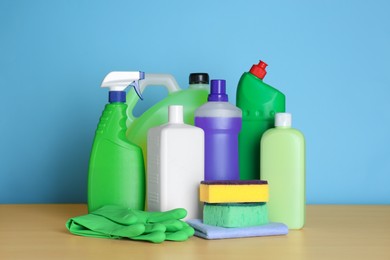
(191, 98)
(259, 103)
(116, 174)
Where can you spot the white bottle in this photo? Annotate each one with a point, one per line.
(175, 165)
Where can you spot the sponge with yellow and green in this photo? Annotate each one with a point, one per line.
(233, 191)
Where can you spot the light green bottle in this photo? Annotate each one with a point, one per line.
(191, 98)
(116, 174)
(282, 164)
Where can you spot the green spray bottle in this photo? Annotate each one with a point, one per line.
(191, 98)
(259, 103)
(116, 172)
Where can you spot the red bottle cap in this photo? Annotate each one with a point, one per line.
(259, 69)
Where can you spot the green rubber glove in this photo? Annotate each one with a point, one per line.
(91, 225)
(175, 229)
(117, 222)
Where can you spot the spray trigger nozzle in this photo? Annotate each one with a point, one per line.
(118, 81)
(135, 84)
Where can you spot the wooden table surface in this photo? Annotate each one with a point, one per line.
(331, 232)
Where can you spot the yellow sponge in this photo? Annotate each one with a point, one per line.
(233, 191)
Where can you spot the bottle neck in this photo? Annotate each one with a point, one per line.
(175, 120)
(199, 86)
(218, 98)
(254, 76)
(217, 101)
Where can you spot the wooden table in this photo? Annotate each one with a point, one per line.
(331, 232)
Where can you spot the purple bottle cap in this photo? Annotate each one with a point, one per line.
(218, 90)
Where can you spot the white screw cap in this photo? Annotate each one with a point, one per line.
(175, 114)
(283, 119)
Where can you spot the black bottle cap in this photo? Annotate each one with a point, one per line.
(199, 78)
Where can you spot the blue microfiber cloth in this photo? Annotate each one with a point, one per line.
(214, 232)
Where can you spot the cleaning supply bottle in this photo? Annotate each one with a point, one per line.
(175, 165)
(116, 172)
(283, 166)
(259, 103)
(221, 122)
(191, 98)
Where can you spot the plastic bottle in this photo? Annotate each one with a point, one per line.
(259, 103)
(283, 166)
(175, 165)
(190, 98)
(221, 122)
(116, 172)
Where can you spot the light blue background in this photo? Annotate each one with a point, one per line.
(330, 58)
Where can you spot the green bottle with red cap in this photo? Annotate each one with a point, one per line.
(259, 103)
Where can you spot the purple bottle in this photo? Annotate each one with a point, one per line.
(221, 122)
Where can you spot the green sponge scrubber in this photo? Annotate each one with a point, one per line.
(235, 214)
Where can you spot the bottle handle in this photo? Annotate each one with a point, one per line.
(151, 79)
